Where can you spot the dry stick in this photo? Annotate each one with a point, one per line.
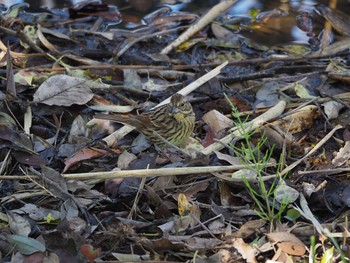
(254, 61)
(115, 136)
(270, 114)
(166, 73)
(327, 171)
(196, 84)
(5, 162)
(18, 177)
(133, 42)
(317, 146)
(22, 196)
(198, 221)
(154, 172)
(344, 97)
(250, 178)
(137, 198)
(201, 23)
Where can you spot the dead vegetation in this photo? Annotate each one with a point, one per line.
(264, 176)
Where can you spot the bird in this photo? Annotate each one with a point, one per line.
(164, 126)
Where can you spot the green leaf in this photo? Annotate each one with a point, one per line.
(328, 256)
(26, 245)
(292, 214)
(254, 13)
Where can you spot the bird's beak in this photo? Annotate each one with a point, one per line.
(175, 110)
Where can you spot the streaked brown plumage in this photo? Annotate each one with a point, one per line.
(174, 121)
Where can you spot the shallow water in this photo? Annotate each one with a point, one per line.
(280, 30)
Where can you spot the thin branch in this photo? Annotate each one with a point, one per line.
(156, 172)
(201, 23)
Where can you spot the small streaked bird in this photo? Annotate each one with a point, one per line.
(173, 122)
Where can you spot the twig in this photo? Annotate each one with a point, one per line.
(130, 90)
(201, 23)
(317, 146)
(250, 178)
(204, 227)
(199, 82)
(113, 138)
(137, 198)
(30, 42)
(270, 114)
(327, 171)
(155, 172)
(147, 36)
(22, 196)
(166, 73)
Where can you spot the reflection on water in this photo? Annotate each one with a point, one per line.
(278, 30)
(241, 7)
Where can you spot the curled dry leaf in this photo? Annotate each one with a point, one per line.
(299, 120)
(343, 155)
(332, 108)
(247, 251)
(217, 121)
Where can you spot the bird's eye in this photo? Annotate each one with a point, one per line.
(182, 104)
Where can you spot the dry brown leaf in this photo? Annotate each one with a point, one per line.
(83, 154)
(228, 158)
(247, 252)
(63, 90)
(249, 228)
(288, 243)
(125, 159)
(217, 121)
(299, 120)
(282, 236)
(197, 243)
(292, 248)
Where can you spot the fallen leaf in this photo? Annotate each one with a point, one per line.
(217, 121)
(26, 245)
(63, 90)
(249, 228)
(288, 243)
(247, 252)
(83, 154)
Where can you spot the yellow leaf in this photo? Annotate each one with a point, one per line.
(184, 206)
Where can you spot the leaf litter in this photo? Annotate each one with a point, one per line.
(263, 175)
